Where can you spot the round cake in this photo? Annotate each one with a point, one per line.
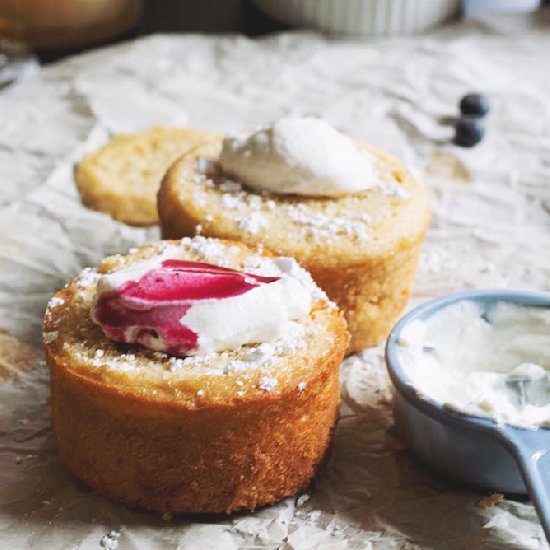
(202, 430)
(122, 178)
(362, 248)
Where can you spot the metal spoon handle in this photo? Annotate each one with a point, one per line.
(534, 462)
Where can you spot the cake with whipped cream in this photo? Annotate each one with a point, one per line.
(351, 214)
(194, 376)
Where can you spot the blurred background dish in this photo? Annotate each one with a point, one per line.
(66, 23)
(475, 7)
(56, 28)
(368, 18)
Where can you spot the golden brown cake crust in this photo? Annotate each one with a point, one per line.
(369, 275)
(122, 178)
(185, 440)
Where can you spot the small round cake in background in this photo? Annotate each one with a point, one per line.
(160, 399)
(122, 178)
(351, 214)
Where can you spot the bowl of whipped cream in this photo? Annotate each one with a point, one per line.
(472, 378)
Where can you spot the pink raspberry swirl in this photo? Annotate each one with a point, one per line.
(151, 310)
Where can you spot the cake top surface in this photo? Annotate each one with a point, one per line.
(284, 364)
(354, 227)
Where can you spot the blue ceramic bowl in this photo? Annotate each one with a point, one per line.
(472, 450)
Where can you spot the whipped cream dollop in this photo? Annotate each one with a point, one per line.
(185, 307)
(302, 156)
(493, 364)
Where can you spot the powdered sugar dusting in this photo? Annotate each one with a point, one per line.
(248, 358)
(55, 301)
(231, 202)
(124, 362)
(88, 276)
(210, 250)
(268, 383)
(327, 225)
(252, 222)
(49, 337)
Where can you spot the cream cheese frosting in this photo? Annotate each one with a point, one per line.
(190, 308)
(494, 364)
(302, 156)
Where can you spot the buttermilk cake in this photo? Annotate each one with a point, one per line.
(351, 214)
(122, 178)
(194, 376)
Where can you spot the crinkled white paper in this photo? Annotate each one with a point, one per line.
(491, 228)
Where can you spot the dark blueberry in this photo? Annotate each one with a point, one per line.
(474, 104)
(469, 131)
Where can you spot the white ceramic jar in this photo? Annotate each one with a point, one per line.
(368, 18)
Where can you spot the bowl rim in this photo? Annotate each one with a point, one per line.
(404, 385)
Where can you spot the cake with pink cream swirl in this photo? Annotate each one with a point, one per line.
(188, 430)
(184, 307)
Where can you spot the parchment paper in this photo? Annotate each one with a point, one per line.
(491, 228)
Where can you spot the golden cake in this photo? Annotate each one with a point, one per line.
(212, 432)
(122, 178)
(361, 248)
